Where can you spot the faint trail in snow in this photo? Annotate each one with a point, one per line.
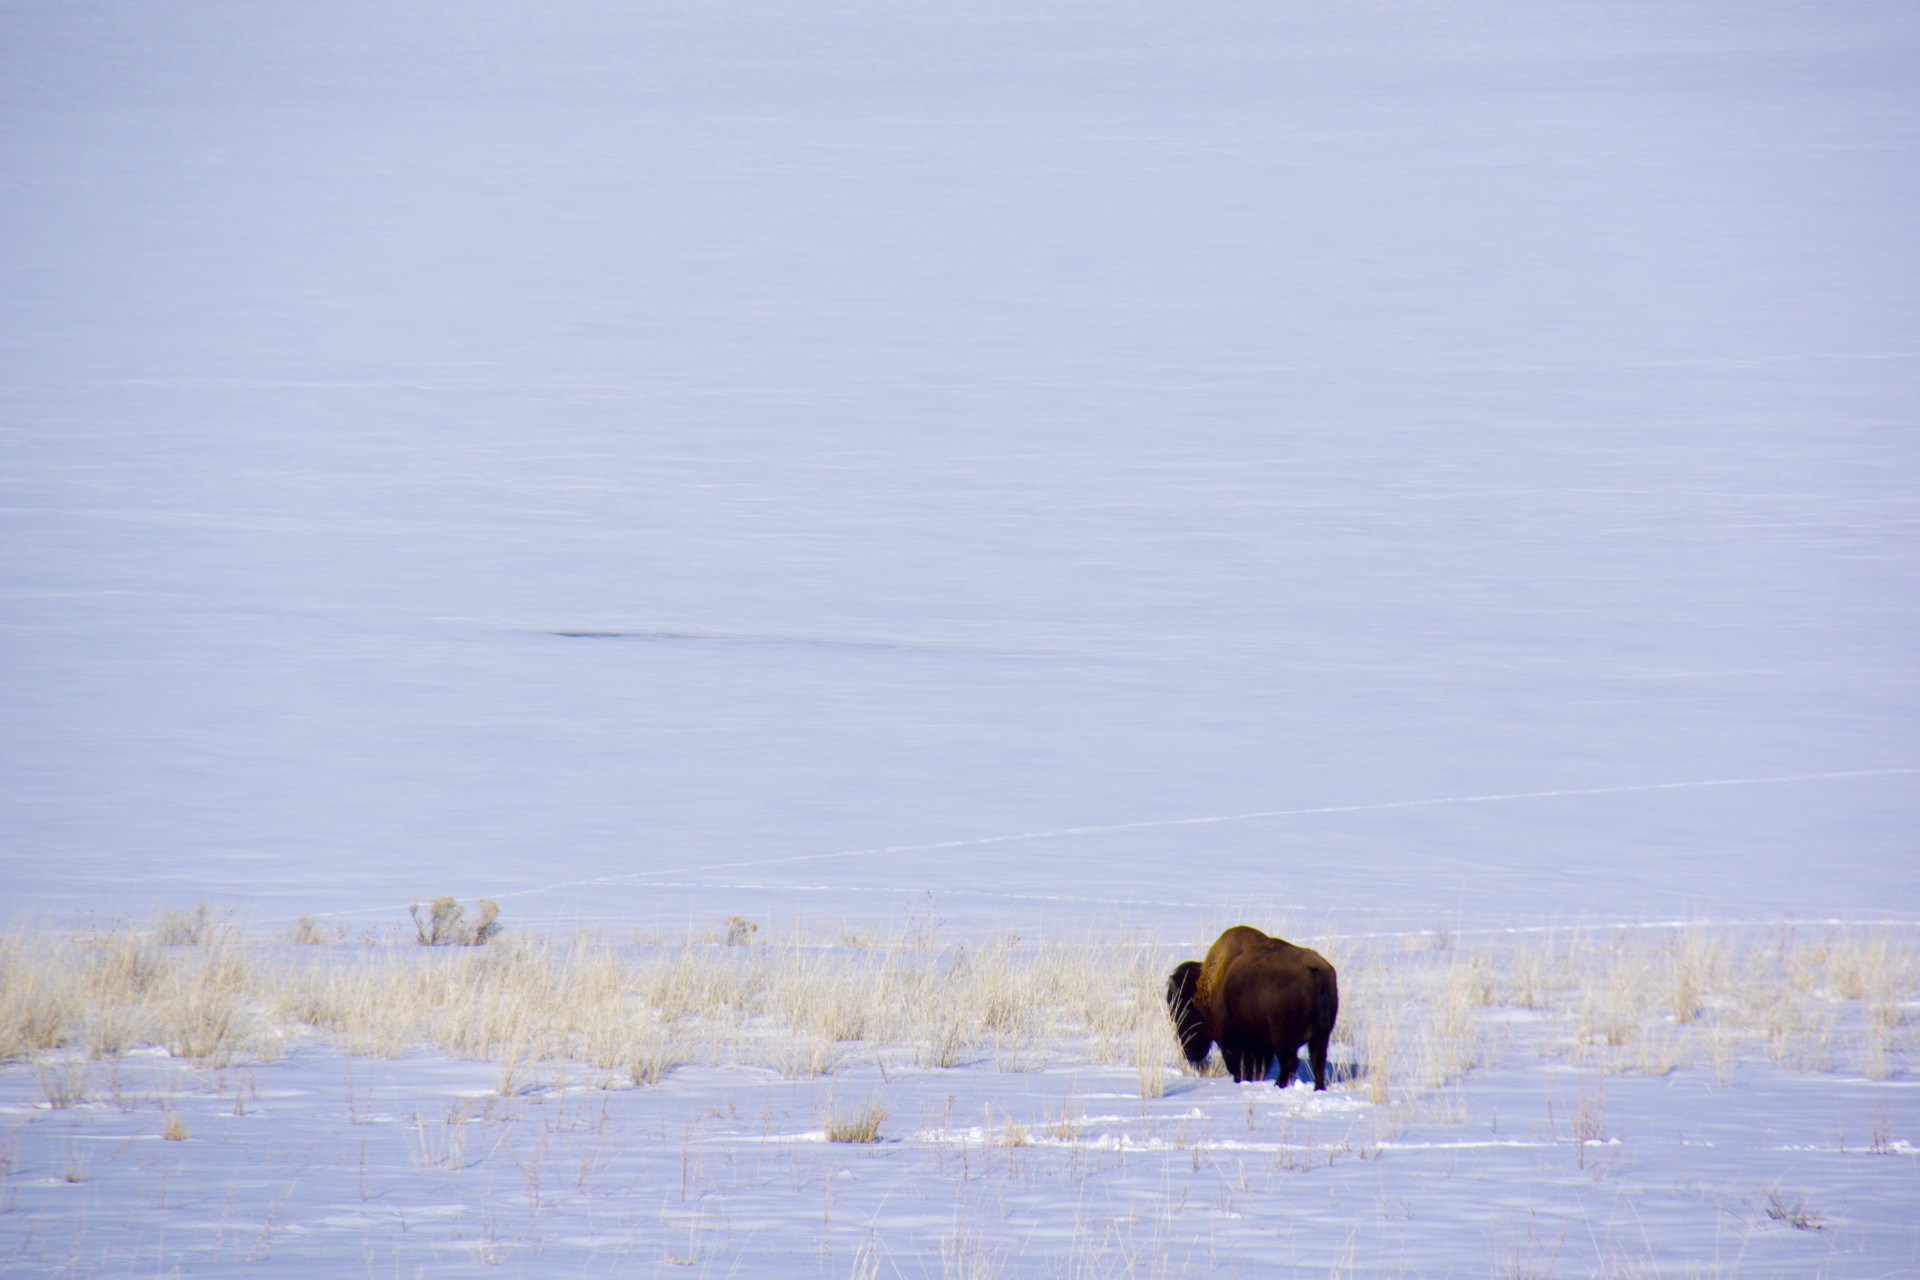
(632, 877)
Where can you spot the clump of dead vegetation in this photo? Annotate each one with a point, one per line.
(445, 924)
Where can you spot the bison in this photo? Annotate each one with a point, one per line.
(1259, 999)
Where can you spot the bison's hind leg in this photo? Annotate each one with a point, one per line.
(1286, 1048)
(1317, 1055)
(1326, 1011)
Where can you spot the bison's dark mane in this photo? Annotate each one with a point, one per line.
(1182, 986)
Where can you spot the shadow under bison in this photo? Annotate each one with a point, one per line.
(1259, 999)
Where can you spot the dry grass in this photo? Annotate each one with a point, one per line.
(632, 1013)
(107, 992)
(861, 1125)
(1413, 1019)
(1646, 1001)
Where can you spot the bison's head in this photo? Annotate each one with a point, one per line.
(1182, 986)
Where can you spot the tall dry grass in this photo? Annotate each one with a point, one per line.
(1415, 1016)
(633, 1013)
(1643, 1001)
(105, 993)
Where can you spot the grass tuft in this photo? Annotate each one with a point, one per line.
(1793, 1212)
(862, 1126)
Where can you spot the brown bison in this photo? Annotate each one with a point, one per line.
(1259, 999)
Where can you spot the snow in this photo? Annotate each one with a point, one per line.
(318, 1164)
(1124, 467)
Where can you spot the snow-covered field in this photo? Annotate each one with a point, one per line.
(1608, 1102)
(1422, 477)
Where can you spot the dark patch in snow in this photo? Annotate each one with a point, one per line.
(796, 641)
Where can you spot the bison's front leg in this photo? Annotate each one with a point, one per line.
(1245, 1062)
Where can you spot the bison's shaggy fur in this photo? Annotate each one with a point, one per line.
(1259, 999)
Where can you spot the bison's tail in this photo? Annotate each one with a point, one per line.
(1326, 1000)
(1182, 987)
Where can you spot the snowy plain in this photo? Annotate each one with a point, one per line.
(1383, 470)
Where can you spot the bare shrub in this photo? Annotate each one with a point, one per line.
(445, 925)
(307, 932)
(184, 928)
